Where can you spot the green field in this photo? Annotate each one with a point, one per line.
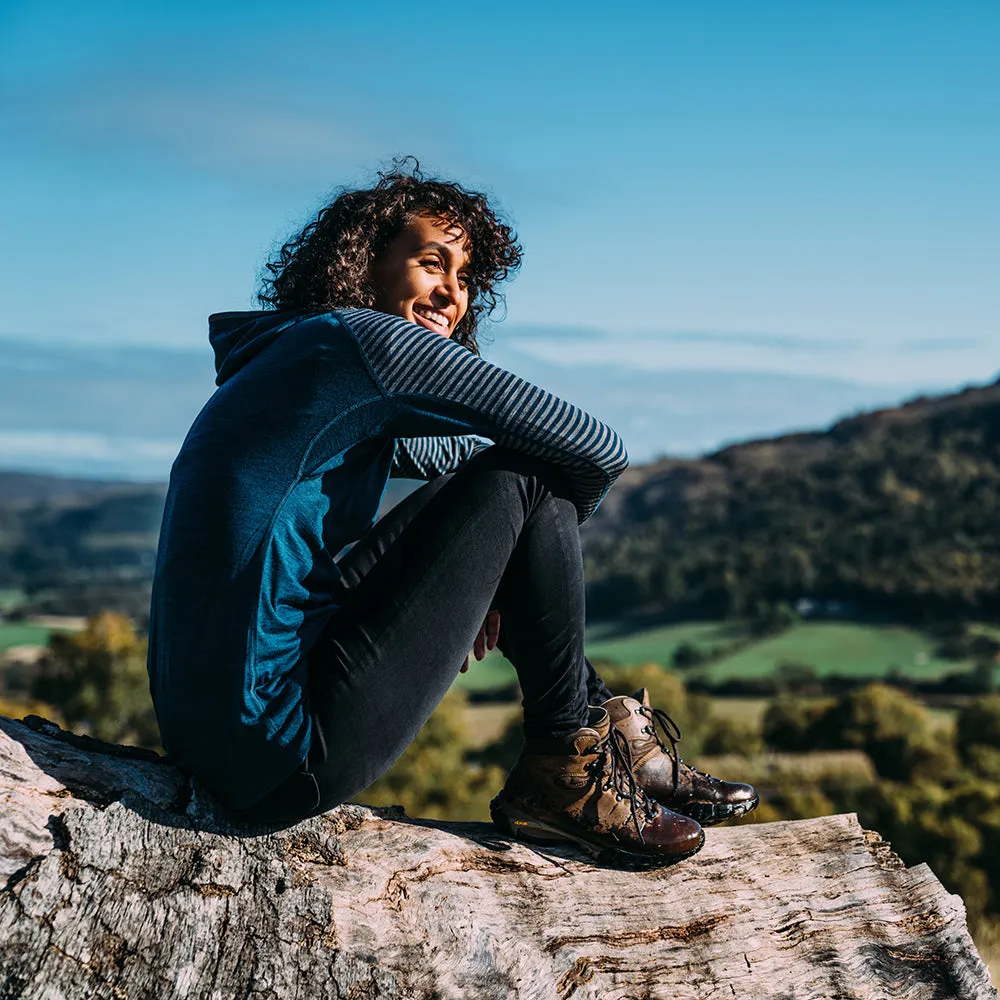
(487, 675)
(848, 648)
(16, 634)
(656, 645)
(653, 646)
(840, 648)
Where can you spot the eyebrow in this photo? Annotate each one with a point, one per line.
(443, 248)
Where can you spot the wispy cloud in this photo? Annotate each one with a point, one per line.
(529, 331)
(307, 118)
(76, 452)
(942, 344)
(208, 127)
(764, 341)
(784, 343)
(871, 361)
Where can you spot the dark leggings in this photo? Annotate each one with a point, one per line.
(500, 533)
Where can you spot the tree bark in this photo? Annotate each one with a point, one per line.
(124, 882)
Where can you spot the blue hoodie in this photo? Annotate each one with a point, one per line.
(286, 465)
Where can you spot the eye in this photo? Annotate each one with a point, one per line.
(431, 263)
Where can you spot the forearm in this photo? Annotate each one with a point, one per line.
(437, 383)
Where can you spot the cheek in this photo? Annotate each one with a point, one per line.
(395, 283)
(414, 285)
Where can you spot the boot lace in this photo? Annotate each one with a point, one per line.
(613, 769)
(671, 731)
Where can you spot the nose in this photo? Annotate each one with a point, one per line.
(450, 286)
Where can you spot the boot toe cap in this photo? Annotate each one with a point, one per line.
(737, 792)
(673, 833)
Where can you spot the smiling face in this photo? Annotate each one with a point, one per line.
(421, 275)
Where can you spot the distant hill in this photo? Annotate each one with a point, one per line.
(20, 489)
(78, 545)
(897, 511)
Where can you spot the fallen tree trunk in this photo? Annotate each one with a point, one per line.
(122, 883)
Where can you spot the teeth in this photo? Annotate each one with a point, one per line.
(435, 317)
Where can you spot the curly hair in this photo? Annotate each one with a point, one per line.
(328, 265)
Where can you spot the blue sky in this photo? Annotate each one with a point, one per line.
(797, 188)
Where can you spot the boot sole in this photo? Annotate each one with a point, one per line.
(520, 826)
(710, 813)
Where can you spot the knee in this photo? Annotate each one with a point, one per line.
(535, 476)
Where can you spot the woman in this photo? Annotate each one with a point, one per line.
(289, 677)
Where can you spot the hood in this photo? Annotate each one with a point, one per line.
(236, 337)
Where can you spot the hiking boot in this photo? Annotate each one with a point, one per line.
(663, 774)
(581, 788)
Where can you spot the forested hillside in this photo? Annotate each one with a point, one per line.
(894, 511)
(77, 546)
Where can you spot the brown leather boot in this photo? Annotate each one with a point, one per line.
(661, 772)
(581, 789)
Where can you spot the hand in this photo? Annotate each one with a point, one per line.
(489, 633)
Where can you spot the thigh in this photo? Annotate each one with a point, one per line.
(391, 653)
(373, 545)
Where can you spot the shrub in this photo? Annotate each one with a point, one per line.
(435, 777)
(978, 724)
(788, 724)
(97, 679)
(688, 655)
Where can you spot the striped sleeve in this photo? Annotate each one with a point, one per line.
(435, 376)
(430, 457)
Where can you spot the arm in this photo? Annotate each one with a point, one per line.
(444, 390)
(430, 457)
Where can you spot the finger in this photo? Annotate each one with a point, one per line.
(464, 667)
(492, 629)
(480, 647)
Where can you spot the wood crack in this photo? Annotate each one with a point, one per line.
(631, 939)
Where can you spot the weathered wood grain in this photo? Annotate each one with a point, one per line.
(121, 883)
